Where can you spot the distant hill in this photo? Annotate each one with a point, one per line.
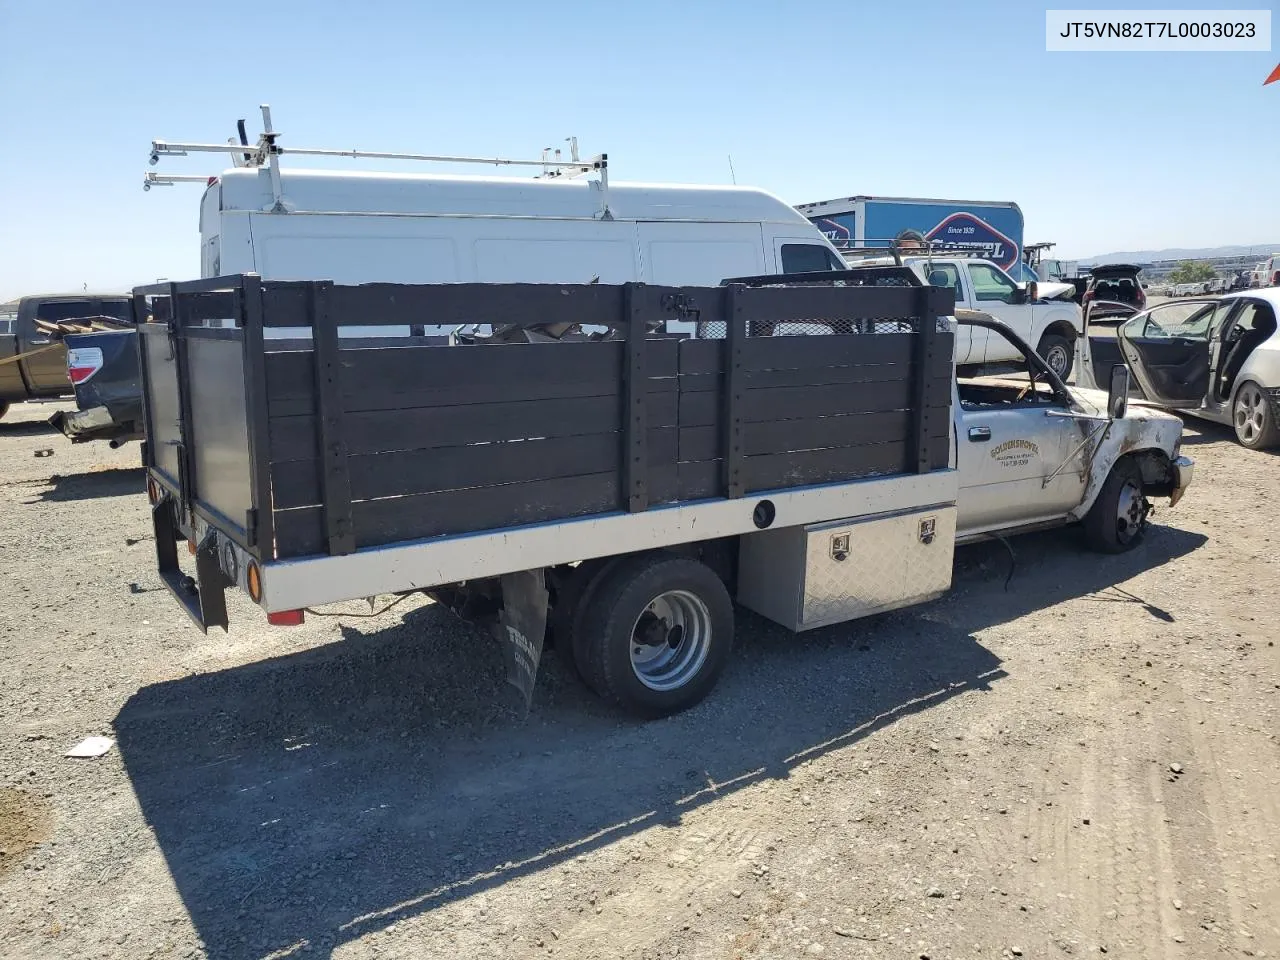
(1260, 251)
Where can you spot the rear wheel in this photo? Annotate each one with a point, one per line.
(655, 633)
(1117, 521)
(1253, 417)
(1058, 352)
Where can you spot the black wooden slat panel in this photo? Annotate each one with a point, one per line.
(701, 356)
(782, 436)
(700, 443)
(779, 304)
(293, 438)
(407, 472)
(220, 305)
(786, 470)
(791, 353)
(454, 397)
(685, 481)
(377, 522)
(789, 403)
(405, 370)
(453, 303)
(296, 483)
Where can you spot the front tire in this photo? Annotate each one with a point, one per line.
(1058, 352)
(655, 634)
(1254, 418)
(1117, 521)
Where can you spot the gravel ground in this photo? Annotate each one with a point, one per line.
(1084, 761)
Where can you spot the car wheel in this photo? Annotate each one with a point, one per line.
(1254, 417)
(656, 633)
(1117, 521)
(1058, 352)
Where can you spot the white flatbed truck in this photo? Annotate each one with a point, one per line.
(617, 492)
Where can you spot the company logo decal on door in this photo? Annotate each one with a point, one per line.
(1015, 453)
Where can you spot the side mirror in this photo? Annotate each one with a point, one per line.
(1118, 392)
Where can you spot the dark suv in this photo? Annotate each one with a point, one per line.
(1117, 283)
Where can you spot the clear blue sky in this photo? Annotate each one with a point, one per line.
(935, 99)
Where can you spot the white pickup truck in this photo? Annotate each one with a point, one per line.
(1051, 324)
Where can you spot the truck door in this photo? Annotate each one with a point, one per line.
(46, 371)
(970, 340)
(1167, 349)
(1021, 460)
(995, 292)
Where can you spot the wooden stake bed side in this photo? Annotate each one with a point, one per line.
(321, 443)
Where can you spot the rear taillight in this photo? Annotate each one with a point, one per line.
(83, 363)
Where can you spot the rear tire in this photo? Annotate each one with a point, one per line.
(1117, 521)
(655, 633)
(1058, 352)
(1254, 418)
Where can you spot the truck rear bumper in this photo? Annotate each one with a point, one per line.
(96, 423)
(1184, 469)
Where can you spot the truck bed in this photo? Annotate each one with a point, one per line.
(328, 446)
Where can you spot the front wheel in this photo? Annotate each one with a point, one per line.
(655, 634)
(1253, 417)
(1058, 352)
(1117, 521)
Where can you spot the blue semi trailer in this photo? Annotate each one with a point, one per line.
(992, 227)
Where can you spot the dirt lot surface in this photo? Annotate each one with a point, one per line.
(1086, 761)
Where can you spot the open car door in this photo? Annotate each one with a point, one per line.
(1167, 350)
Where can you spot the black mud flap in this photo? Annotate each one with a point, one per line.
(204, 596)
(522, 625)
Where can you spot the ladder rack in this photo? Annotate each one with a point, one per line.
(267, 152)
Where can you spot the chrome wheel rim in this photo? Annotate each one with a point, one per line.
(1250, 414)
(1057, 359)
(670, 640)
(1131, 511)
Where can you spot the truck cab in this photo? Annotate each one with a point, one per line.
(33, 363)
(1033, 452)
(1052, 325)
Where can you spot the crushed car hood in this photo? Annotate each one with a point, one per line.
(1048, 290)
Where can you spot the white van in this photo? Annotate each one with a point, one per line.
(354, 227)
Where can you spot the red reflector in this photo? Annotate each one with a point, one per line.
(285, 618)
(212, 181)
(83, 363)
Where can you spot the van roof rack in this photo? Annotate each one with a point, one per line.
(267, 152)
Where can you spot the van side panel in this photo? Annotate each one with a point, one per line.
(555, 251)
(686, 254)
(354, 249)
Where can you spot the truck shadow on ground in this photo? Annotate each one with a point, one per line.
(26, 428)
(306, 801)
(117, 482)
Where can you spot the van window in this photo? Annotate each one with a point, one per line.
(991, 284)
(808, 258)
